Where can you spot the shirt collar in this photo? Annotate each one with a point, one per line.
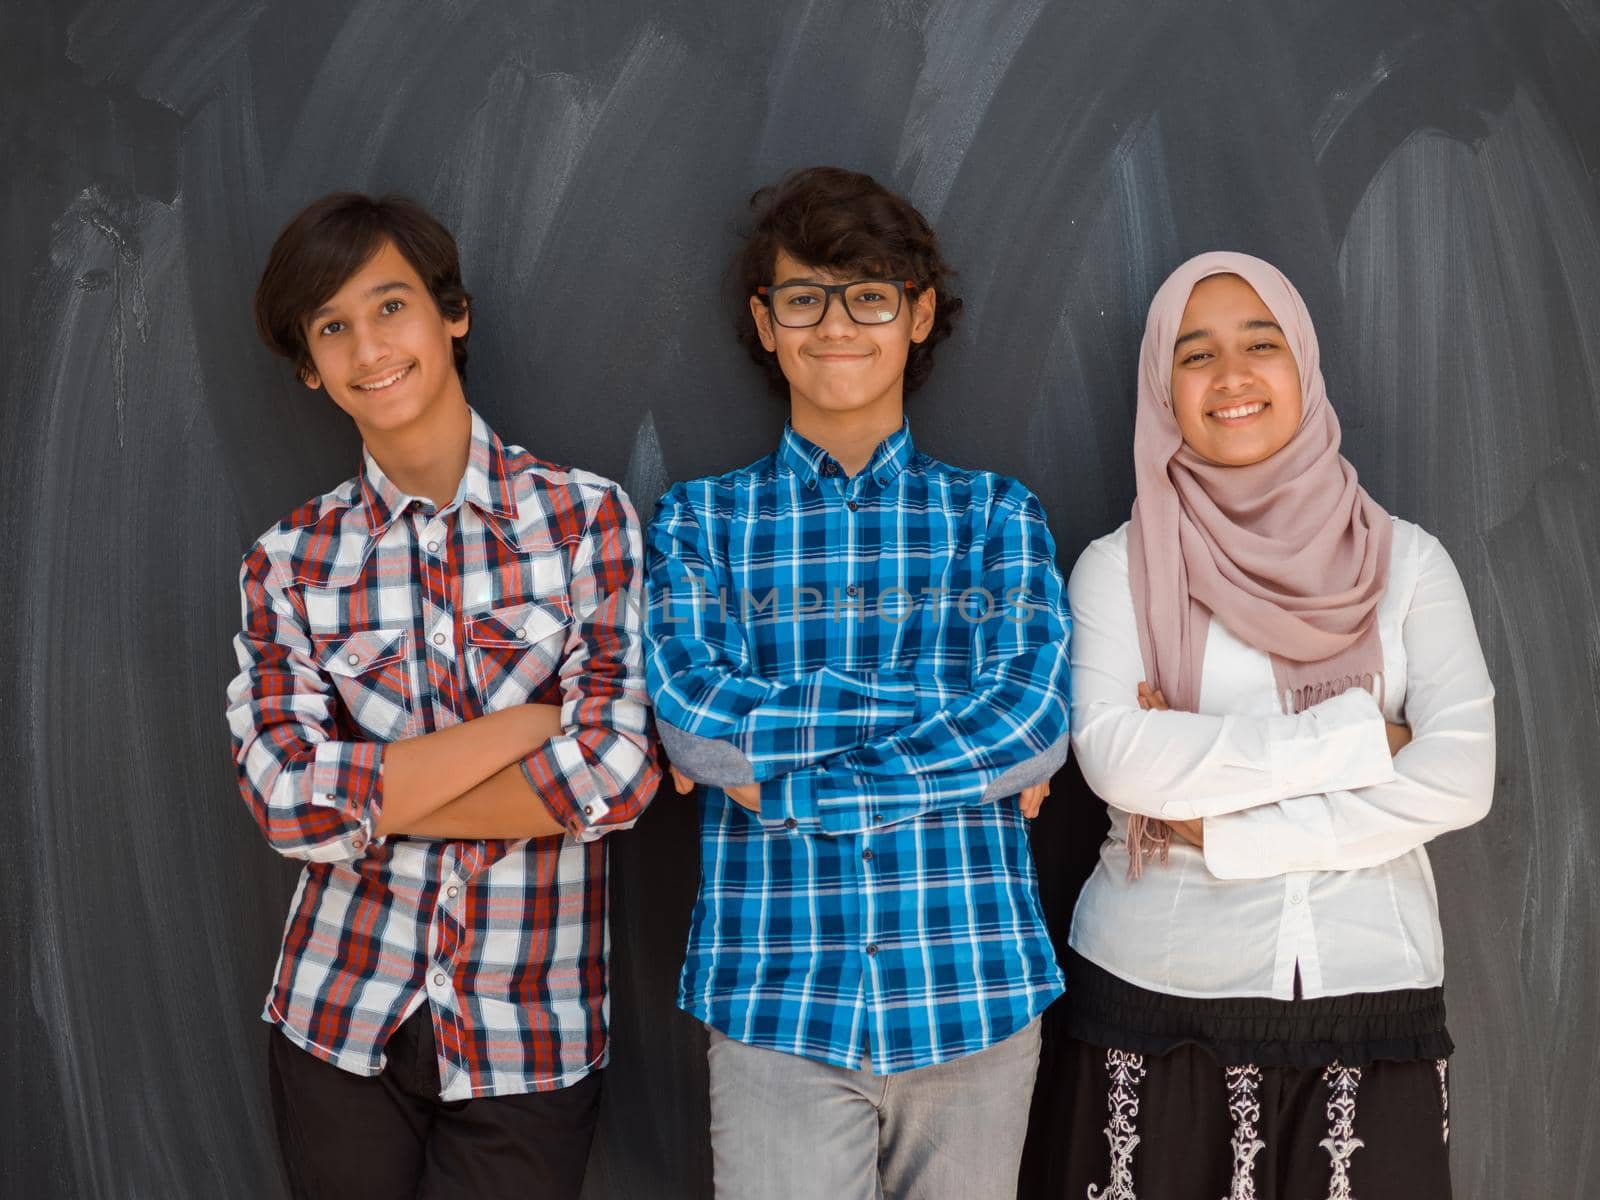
(485, 484)
(807, 459)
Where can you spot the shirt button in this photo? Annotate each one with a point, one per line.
(866, 855)
(522, 635)
(452, 891)
(353, 659)
(851, 590)
(438, 979)
(878, 480)
(588, 810)
(877, 818)
(433, 547)
(854, 506)
(1295, 898)
(811, 483)
(872, 949)
(790, 823)
(359, 840)
(438, 639)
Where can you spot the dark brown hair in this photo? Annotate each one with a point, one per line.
(330, 240)
(843, 222)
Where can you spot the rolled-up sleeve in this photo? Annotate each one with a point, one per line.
(599, 772)
(314, 796)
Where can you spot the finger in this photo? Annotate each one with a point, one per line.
(681, 782)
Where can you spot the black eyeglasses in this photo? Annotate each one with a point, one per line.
(867, 301)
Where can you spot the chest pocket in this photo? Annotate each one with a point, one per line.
(372, 674)
(512, 652)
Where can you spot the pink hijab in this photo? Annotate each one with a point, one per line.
(1289, 553)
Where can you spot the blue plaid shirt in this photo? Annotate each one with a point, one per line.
(886, 655)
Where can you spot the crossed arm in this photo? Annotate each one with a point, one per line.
(1334, 788)
(467, 781)
(582, 768)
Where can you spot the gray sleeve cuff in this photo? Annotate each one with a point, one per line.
(705, 760)
(1035, 770)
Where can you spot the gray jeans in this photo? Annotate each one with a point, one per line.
(787, 1128)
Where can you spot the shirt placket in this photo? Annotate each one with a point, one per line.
(1297, 941)
(848, 618)
(441, 628)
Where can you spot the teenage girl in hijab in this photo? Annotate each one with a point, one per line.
(1277, 689)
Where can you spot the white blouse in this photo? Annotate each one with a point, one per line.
(1313, 834)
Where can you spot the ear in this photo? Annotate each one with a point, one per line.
(458, 326)
(922, 314)
(309, 377)
(762, 316)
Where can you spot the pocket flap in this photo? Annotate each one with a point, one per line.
(520, 624)
(358, 653)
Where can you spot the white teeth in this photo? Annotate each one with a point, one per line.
(386, 381)
(1244, 410)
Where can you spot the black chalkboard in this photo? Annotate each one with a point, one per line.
(1425, 172)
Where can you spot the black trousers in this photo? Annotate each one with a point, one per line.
(390, 1137)
(1180, 1126)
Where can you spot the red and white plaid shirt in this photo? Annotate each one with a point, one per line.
(370, 617)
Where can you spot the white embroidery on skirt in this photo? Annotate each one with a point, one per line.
(1443, 1066)
(1244, 1106)
(1125, 1069)
(1341, 1141)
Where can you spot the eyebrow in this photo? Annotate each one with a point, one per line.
(1257, 323)
(381, 290)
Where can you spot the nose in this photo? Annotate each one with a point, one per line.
(372, 344)
(1232, 373)
(836, 320)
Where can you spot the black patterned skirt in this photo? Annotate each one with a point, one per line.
(1160, 1097)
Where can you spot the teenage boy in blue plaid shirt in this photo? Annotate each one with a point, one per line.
(862, 652)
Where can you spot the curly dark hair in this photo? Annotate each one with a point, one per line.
(331, 239)
(842, 222)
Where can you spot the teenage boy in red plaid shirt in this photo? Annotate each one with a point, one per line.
(440, 708)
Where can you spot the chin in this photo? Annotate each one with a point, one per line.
(384, 417)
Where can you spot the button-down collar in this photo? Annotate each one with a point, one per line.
(808, 460)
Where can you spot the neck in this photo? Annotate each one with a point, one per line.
(426, 458)
(850, 437)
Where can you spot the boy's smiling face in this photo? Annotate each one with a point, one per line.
(382, 349)
(836, 366)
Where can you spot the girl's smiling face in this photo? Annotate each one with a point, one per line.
(1235, 383)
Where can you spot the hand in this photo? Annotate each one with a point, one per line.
(1193, 832)
(681, 783)
(746, 795)
(1399, 737)
(1032, 798)
(1151, 699)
